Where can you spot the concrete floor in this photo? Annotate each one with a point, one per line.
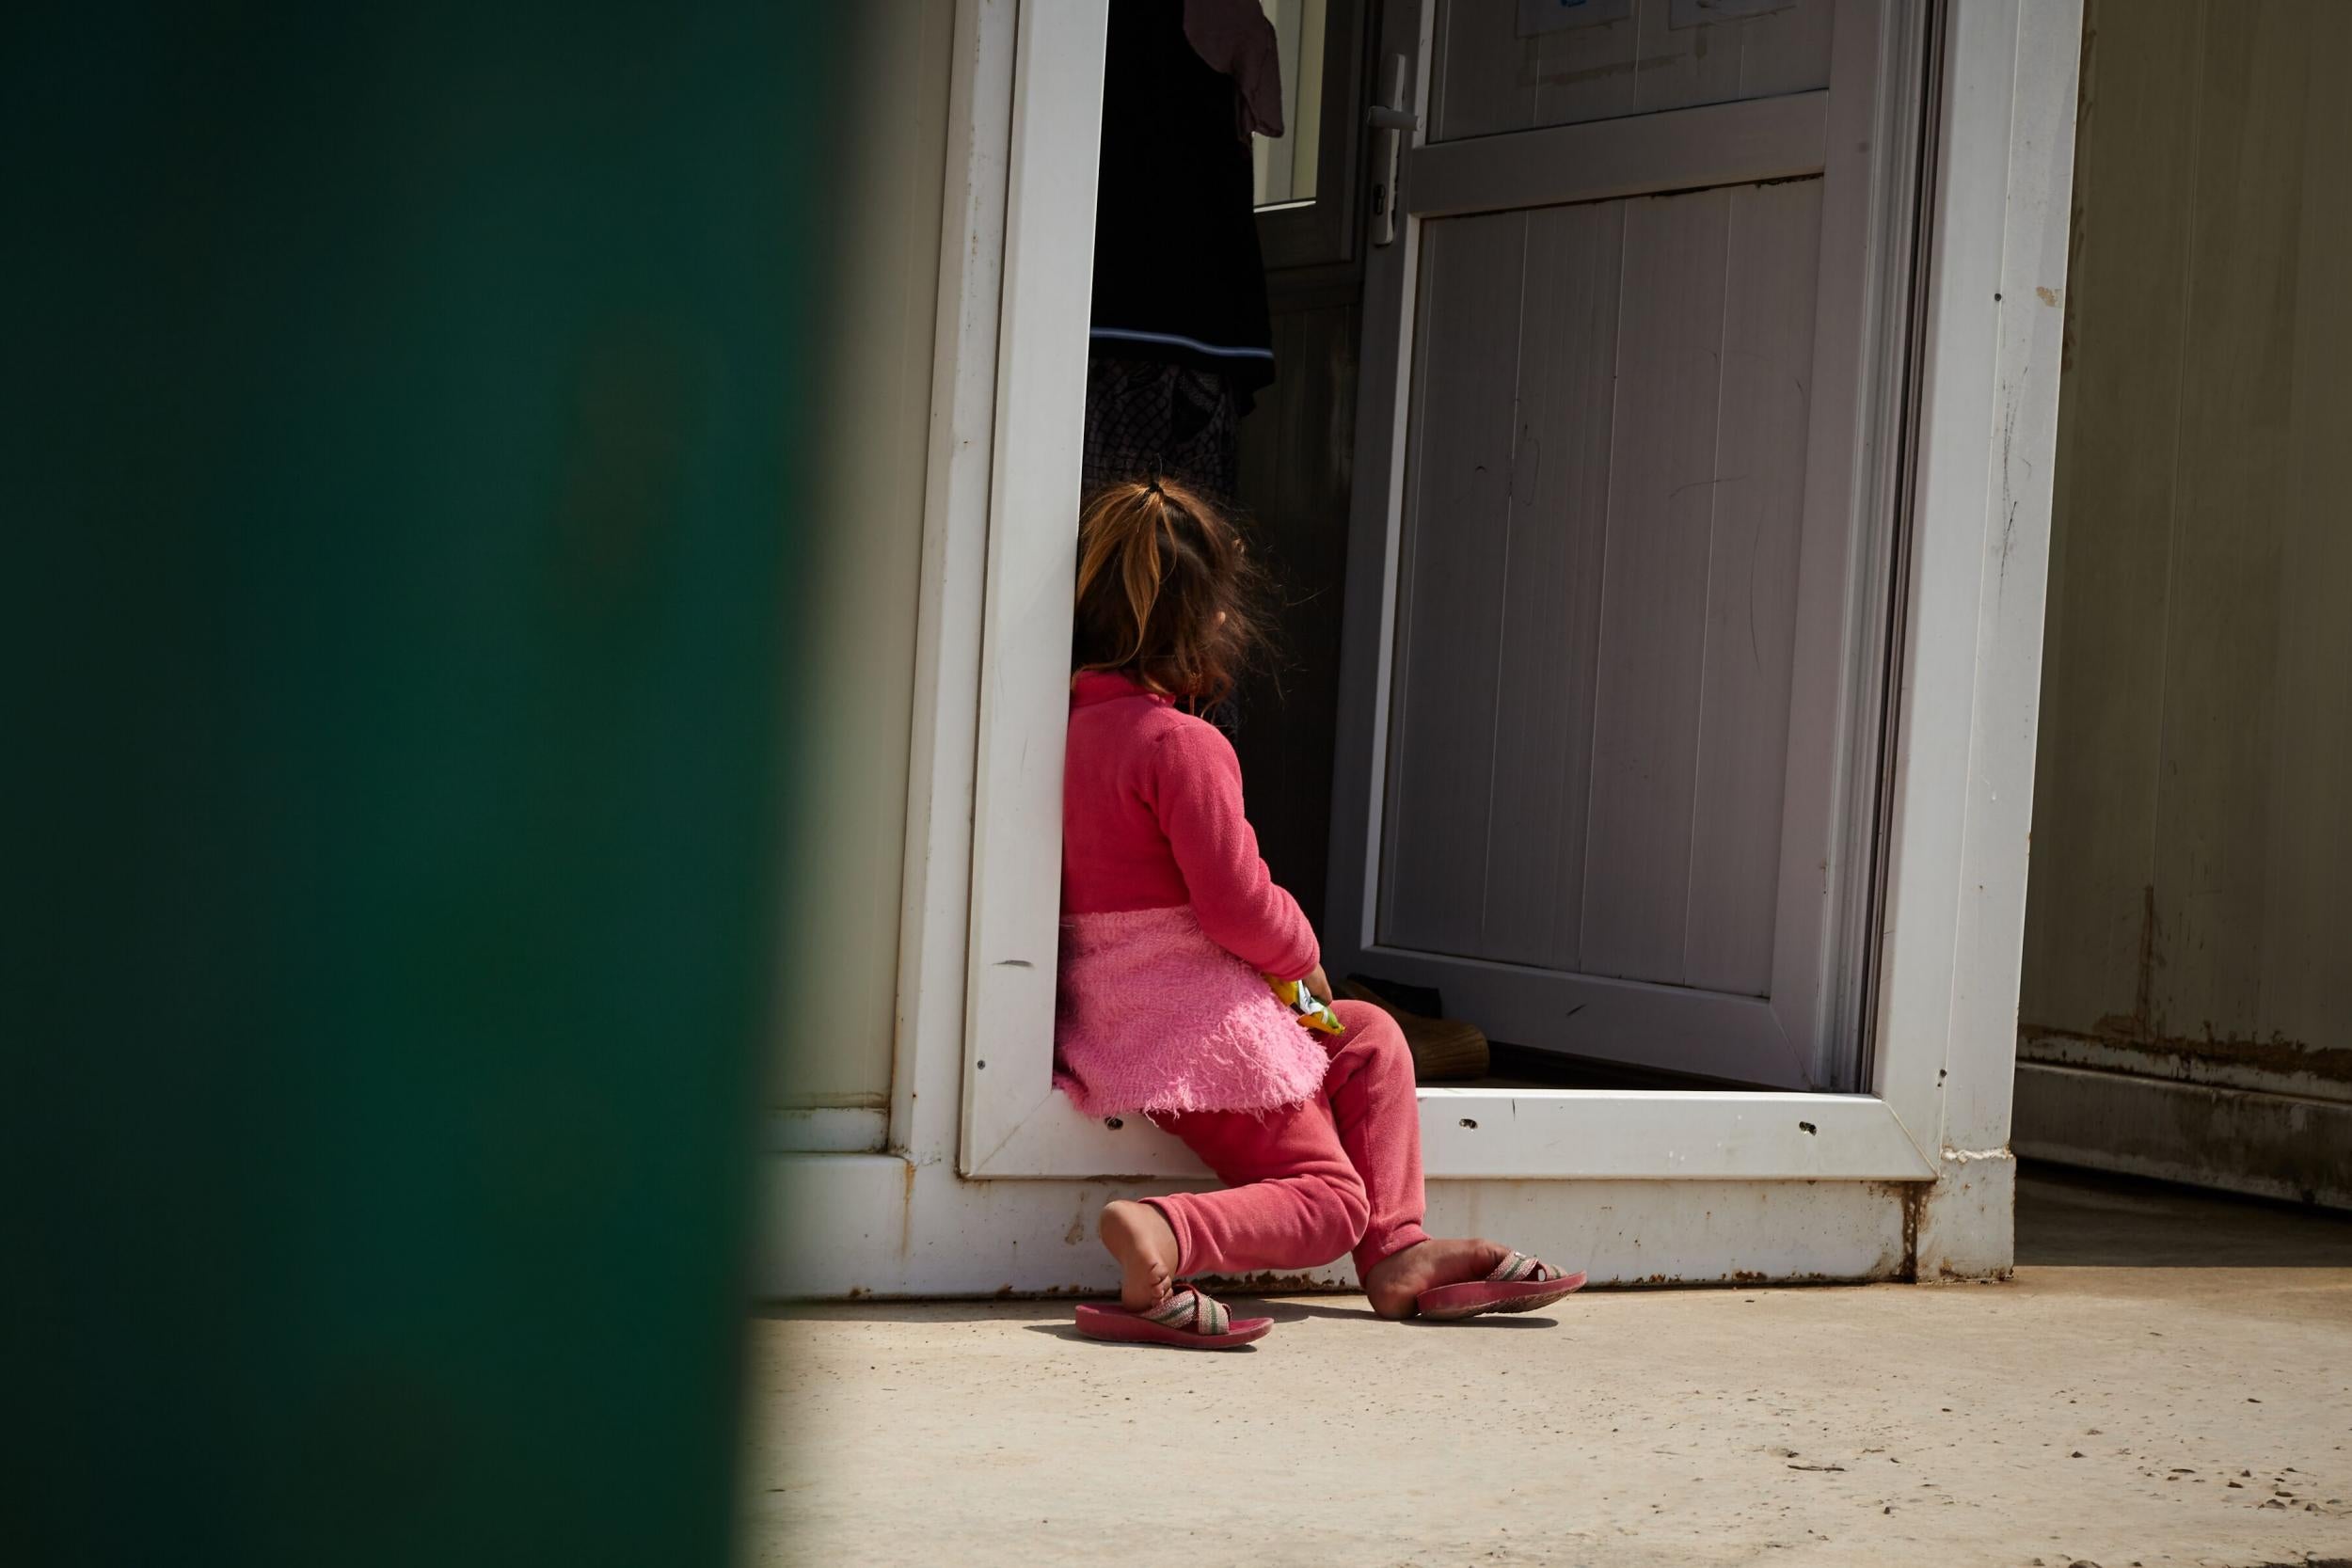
(2169, 1381)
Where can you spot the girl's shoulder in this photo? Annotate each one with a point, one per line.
(1137, 712)
(1184, 742)
(1149, 730)
(1169, 724)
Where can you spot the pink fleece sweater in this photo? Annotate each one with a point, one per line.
(1151, 819)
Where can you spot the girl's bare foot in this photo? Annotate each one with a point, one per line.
(1393, 1282)
(1139, 1236)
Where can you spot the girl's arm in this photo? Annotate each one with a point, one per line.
(1197, 796)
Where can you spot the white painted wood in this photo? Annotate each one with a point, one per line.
(1032, 557)
(1539, 1133)
(1392, 274)
(1676, 66)
(1784, 51)
(1504, 576)
(2038, 57)
(1757, 494)
(1932, 762)
(934, 916)
(1480, 83)
(1543, 1136)
(1791, 51)
(1857, 515)
(1583, 74)
(1551, 609)
(1490, 80)
(1653, 613)
(1779, 866)
(1776, 139)
(1603, 1136)
(1863, 181)
(1493, 721)
(1458, 546)
(1964, 763)
(877, 1227)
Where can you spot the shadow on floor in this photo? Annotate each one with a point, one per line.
(1054, 1314)
(995, 1309)
(2089, 1219)
(1291, 1312)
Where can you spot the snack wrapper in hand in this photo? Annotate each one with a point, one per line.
(1295, 996)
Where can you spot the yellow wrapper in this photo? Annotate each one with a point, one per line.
(1295, 996)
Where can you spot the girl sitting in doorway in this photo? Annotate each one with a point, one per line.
(1171, 932)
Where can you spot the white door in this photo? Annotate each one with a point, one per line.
(1622, 516)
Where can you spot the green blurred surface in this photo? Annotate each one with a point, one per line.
(402, 455)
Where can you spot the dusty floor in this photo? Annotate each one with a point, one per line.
(2169, 1381)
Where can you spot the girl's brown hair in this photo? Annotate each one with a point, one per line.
(1167, 594)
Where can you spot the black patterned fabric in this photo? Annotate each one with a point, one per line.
(1151, 418)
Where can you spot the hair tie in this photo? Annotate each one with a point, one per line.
(1152, 486)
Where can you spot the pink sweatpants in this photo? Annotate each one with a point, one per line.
(1306, 1184)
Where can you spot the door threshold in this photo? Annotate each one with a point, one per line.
(1522, 1067)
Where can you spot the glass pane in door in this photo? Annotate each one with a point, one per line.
(1285, 165)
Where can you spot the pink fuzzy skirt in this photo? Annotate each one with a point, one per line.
(1153, 1016)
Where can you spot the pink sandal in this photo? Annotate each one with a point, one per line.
(1518, 1284)
(1187, 1320)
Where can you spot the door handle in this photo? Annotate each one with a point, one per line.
(1392, 122)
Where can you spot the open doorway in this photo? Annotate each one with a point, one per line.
(1877, 1110)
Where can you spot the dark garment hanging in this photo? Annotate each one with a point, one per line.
(1178, 277)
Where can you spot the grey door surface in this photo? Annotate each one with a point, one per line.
(1606, 622)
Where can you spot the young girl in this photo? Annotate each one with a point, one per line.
(1171, 934)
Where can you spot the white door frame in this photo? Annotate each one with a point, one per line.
(1912, 1176)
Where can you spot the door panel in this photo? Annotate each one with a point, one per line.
(1598, 596)
(1487, 79)
(1653, 607)
(1502, 593)
(1551, 600)
(1614, 473)
(1752, 588)
(1469, 337)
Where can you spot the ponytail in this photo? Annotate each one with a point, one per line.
(1166, 591)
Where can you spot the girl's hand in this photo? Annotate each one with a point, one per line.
(1317, 987)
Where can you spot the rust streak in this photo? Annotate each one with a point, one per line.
(2278, 1054)
(2141, 1032)
(2143, 999)
(1913, 1195)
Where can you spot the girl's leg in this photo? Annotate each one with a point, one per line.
(1371, 1092)
(1292, 1201)
(1377, 1112)
(1306, 1184)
